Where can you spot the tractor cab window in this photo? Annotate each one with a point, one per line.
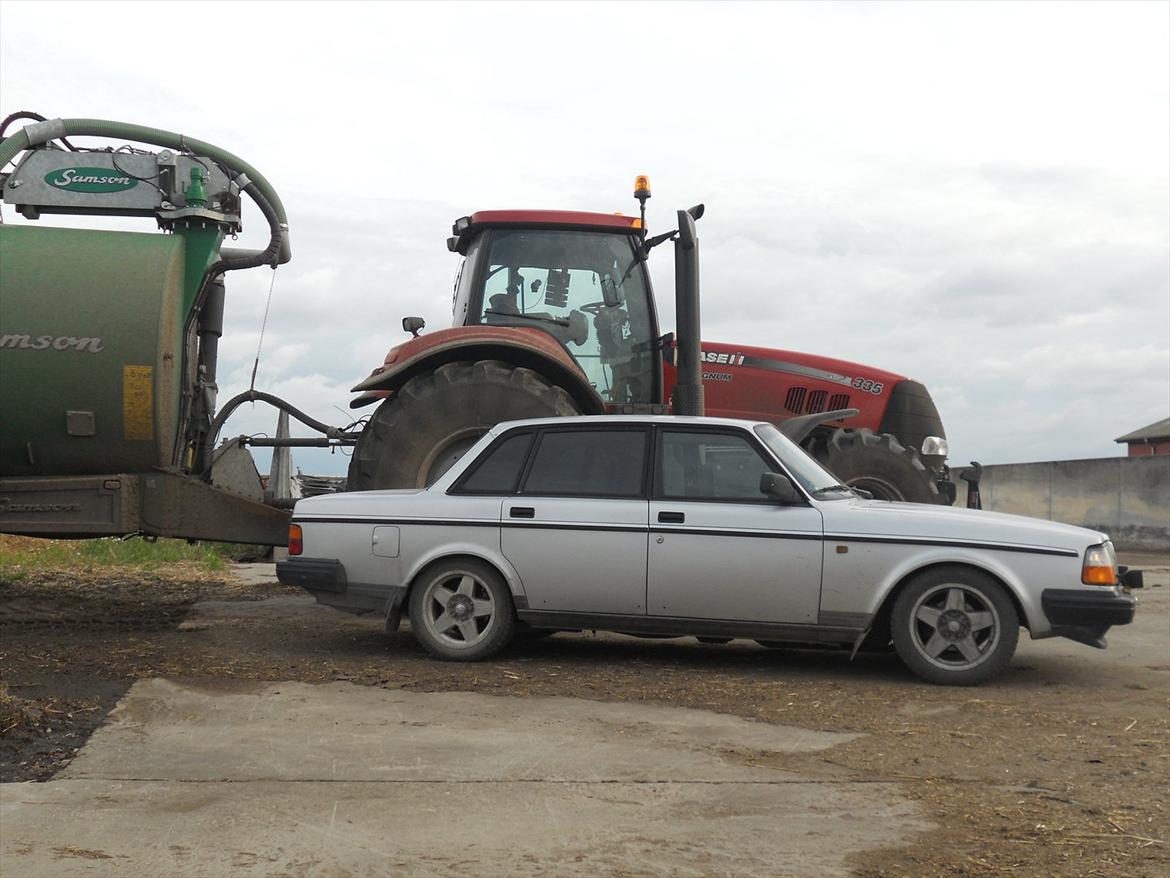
(583, 288)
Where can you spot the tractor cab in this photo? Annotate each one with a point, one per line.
(579, 277)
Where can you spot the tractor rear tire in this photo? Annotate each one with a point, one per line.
(877, 463)
(419, 432)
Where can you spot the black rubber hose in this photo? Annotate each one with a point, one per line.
(29, 114)
(260, 396)
(268, 256)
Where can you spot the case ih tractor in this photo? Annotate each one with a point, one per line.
(554, 315)
(109, 348)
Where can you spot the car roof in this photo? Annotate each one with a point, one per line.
(597, 420)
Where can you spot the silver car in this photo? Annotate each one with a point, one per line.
(708, 527)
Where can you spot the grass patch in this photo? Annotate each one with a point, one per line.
(21, 554)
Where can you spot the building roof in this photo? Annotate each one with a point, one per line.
(1157, 430)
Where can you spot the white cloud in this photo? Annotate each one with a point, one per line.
(975, 195)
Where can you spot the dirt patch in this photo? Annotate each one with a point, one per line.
(1051, 770)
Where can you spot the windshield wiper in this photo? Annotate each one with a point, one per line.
(829, 488)
(644, 251)
(559, 321)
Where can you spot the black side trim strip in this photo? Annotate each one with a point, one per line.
(843, 538)
(959, 544)
(683, 627)
(716, 532)
(429, 522)
(569, 525)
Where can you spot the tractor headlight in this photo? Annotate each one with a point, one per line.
(934, 446)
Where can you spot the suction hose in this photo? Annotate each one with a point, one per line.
(42, 132)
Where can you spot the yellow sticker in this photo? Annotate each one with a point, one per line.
(138, 402)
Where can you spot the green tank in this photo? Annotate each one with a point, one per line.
(109, 340)
(91, 349)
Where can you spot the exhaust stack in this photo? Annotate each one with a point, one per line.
(687, 398)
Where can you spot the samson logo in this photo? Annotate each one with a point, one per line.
(92, 180)
(53, 343)
(7, 506)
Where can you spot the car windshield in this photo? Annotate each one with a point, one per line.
(571, 285)
(813, 477)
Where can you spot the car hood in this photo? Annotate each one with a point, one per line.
(881, 518)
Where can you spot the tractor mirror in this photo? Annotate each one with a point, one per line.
(413, 325)
(778, 487)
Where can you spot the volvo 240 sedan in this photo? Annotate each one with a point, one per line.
(708, 527)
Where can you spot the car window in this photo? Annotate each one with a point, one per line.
(499, 471)
(588, 463)
(710, 466)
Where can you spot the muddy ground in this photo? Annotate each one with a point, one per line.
(1058, 768)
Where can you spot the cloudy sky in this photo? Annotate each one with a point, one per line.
(974, 195)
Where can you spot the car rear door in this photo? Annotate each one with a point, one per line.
(576, 532)
(719, 549)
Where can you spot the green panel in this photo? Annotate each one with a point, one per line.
(90, 323)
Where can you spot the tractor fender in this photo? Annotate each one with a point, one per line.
(529, 348)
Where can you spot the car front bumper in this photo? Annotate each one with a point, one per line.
(1083, 615)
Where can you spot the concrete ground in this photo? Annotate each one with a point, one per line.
(237, 777)
(342, 780)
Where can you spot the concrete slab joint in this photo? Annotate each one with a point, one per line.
(286, 777)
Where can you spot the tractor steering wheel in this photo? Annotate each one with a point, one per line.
(593, 308)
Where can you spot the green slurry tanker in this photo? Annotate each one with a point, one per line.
(109, 339)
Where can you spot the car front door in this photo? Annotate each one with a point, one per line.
(576, 532)
(719, 549)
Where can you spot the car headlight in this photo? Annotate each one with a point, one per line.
(1100, 567)
(934, 445)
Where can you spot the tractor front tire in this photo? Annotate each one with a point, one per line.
(877, 463)
(434, 418)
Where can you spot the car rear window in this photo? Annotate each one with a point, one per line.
(589, 463)
(499, 471)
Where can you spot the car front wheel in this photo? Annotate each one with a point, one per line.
(955, 626)
(462, 611)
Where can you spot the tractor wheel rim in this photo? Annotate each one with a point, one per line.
(446, 454)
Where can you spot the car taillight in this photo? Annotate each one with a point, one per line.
(1100, 566)
(295, 543)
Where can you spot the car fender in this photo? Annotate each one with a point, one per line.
(983, 559)
(529, 348)
(487, 554)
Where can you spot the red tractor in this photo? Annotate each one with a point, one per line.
(554, 315)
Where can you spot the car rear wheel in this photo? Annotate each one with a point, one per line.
(955, 626)
(462, 611)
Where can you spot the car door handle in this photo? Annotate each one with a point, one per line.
(522, 512)
(671, 517)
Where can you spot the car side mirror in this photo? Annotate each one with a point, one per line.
(413, 325)
(778, 487)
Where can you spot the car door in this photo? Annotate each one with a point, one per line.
(719, 549)
(576, 532)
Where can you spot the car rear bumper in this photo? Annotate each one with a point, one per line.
(1085, 616)
(326, 580)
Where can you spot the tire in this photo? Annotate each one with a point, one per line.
(462, 611)
(427, 425)
(955, 626)
(877, 463)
